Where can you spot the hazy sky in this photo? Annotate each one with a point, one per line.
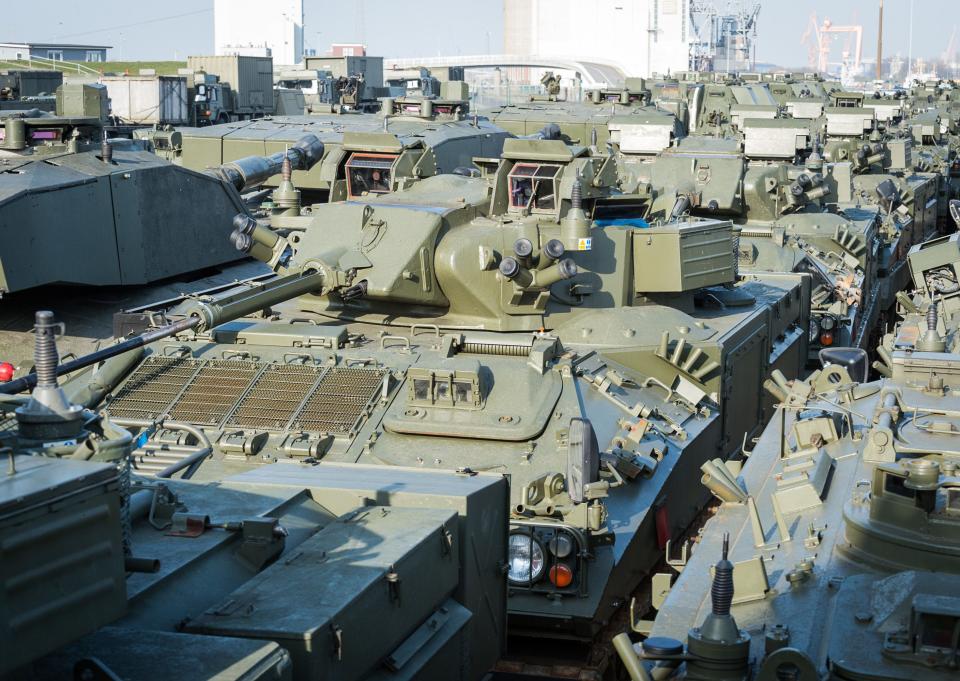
(175, 28)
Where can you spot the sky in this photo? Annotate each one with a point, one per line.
(175, 28)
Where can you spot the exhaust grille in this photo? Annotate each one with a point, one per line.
(213, 391)
(249, 395)
(152, 388)
(275, 397)
(340, 401)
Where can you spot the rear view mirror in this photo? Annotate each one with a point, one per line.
(583, 458)
(854, 360)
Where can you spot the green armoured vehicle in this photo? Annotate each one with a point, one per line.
(477, 326)
(75, 125)
(592, 120)
(884, 178)
(67, 190)
(785, 219)
(141, 549)
(882, 141)
(412, 138)
(791, 89)
(936, 138)
(715, 105)
(836, 550)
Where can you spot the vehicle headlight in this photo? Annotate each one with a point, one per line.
(827, 322)
(814, 330)
(525, 558)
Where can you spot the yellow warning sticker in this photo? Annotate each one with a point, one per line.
(584, 244)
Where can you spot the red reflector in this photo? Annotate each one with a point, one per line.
(826, 339)
(561, 575)
(7, 371)
(663, 527)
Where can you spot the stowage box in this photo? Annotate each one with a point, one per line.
(349, 596)
(683, 256)
(61, 555)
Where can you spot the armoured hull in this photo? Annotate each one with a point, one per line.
(335, 401)
(126, 221)
(845, 565)
(173, 560)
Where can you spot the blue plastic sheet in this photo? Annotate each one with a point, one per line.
(622, 222)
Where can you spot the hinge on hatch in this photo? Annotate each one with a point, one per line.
(337, 632)
(393, 583)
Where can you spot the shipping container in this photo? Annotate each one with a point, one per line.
(25, 83)
(250, 79)
(149, 100)
(343, 67)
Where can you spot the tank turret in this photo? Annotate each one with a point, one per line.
(786, 222)
(534, 230)
(75, 124)
(124, 221)
(412, 137)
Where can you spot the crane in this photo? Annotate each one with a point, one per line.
(950, 53)
(811, 38)
(819, 38)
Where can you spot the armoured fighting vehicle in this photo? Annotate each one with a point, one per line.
(881, 144)
(714, 104)
(834, 553)
(936, 139)
(786, 223)
(412, 138)
(139, 549)
(790, 89)
(466, 325)
(319, 92)
(65, 190)
(345, 83)
(75, 125)
(880, 174)
(592, 120)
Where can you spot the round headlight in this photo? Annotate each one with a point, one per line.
(827, 322)
(561, 545)
(525, 557)
(814, 329)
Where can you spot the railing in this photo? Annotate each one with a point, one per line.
(55, 64)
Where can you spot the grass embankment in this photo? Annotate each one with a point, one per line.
(107, 68)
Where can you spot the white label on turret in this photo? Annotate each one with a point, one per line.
(585, 244)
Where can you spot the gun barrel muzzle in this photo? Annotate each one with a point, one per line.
(252, 171)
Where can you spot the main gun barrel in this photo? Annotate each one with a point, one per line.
(253, 171)
(222, 309)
